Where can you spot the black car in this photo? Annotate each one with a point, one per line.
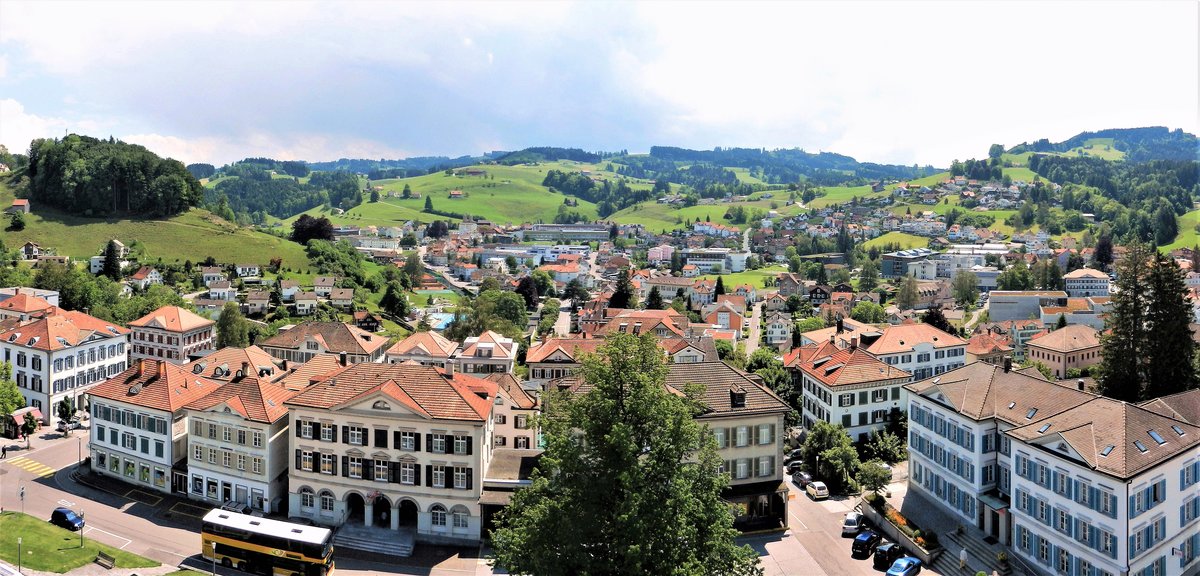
(793, 455)
(887, 553)
(794, 466)
(801, 479)
(66, 518)
(864, 543)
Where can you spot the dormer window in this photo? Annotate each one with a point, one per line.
(737, 398)
(1043, 429)
(1177, 429)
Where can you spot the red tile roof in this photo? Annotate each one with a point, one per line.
(59, 329)
(172, 319)
(336, 337)
(24, 303)
(426, 344)
(424, 389)
(155, 385)
(256, 400)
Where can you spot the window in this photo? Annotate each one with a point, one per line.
(460, 478)
(879, 395)
(227, 434)
(327, 463)
(327, 502)
(764, 434)
(1043, 550)
(438, 515)
(257, 438)
(241, 461)
(257, 465)
(764, 466)
(437, 443)
(522, 422)
(355, 467)
(355, 435)
(306, 429)
(460, 444)
(212, 455)
(408, 472)
(500, 441)
(460, 519)
(501, 418)
(327, 433)
(439, 477)
(1064, 562)
(212, 431)
(381, 470)
(241, 437)
(845, 400)
(226, 458)
(307, 498)
(408, 441)
(198, 453)
(522, 442)
(306, 461)
(721, 437)
(743, 436)
(743, 468)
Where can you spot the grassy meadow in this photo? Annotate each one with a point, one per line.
(903, 239)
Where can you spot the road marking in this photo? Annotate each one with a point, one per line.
(198, 512)
(143, 497)
(89, 529)
(798, 520)
(66, 503)
(41, 470)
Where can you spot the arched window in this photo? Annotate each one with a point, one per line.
(307, 498)
(326, 501)
(460, 517)
(438, 513)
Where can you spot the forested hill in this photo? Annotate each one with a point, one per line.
(250, 190)
(400, 168)
(91, 177)
(1137, 144)
(780, 166)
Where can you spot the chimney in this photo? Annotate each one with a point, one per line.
(342, 358)
(283, 365)
(1008, 363)
(853, 343)
(141, 367)
(245, 368)
(450, 369)
(162, 369)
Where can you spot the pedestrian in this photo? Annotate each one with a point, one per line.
(962, 559)
(3, 452)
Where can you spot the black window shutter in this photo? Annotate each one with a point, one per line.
(416, 475)
(396, 440)
(393, 472)
(345, 466)
(381, 438)
(345, 435)
(368, 469)
(429, 442)
(470, 441)
(297, 425)
(417, 442)
(470, 479)
(428, 475)
(298, 459)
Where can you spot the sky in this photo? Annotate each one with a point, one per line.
(891, 82)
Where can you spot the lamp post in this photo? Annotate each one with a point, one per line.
(213, 544)
(18, 555)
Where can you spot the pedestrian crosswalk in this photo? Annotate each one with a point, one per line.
(41, 470)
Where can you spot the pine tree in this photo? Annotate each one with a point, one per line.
(907, 294)
(1062, 322)
(623, 296)
(1169, 361)
(1124, 341)
(1104, 252)
(720, 287)
(936, 318)
(868, 277)
(112, 261)
(429, 204)
(654, 300)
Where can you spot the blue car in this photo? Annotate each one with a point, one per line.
(907, 566)
(66, 518)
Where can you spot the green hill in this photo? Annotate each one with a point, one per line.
(193, 235)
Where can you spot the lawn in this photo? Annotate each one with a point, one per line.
(839, 194)
(1187, 237)
(752, 277)
(49, 548)
(193, 235)
(904, 240)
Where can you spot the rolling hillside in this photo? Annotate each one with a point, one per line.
(193, 235)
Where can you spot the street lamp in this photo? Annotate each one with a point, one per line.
(18, 554)
(213, 543)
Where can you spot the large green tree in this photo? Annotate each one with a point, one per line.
(623, 295)
(232, 328)
(1126, 339)
(10, 396)
(965, 287)
(868, 276)
(628, 483)
(907, 294)
(1169, 367)
(112, 261)
(869, 312)
(654, 300)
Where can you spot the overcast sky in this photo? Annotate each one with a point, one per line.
(896, 82)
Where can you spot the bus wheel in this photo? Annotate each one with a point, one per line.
(226, 562)
(241, 566)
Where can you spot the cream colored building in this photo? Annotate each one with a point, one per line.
(1074, 346)
(171, 333)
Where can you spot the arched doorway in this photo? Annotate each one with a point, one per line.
(354, 507)
(407, 513)
(381, 512)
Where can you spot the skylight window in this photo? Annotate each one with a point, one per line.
(1030, 413)
(1177, 429)
(1107, 450)
(1011, 405)
(1141, 447)
(1043, 429)
(1157, 437)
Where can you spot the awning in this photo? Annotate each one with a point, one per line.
(18, 415)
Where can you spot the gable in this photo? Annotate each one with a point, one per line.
(1060, 446)
(381, 405)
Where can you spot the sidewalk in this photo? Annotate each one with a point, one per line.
(92, 569)
(981, 556)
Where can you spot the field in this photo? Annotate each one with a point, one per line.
(1019, 173)
(48, 548)
(840, 194)
(904, 240)
(1101, 148)
(1187, 237)
(752, 277)
(194, 235)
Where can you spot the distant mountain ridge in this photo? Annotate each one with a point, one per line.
(1139, 144)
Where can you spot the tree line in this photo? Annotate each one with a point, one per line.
(256, 193)
(609, 197)
(91, 177)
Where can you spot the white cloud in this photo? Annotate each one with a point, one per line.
(219, 150)
(18, 127)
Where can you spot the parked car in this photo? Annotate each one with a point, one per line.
(906, 566)
(793, 455)
(802, 479)
(794, 466)
(853, 523)
(236, 507)
(66, 518)
(817, 490)
(72, 424)
(864, 543)
(886, 553)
